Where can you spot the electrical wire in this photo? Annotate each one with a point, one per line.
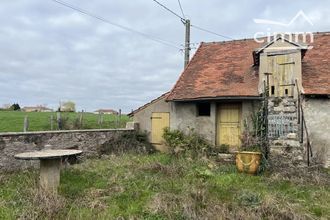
(181, 9)
(211, 32)
(184, 20)
(82, 11)
(166, 8)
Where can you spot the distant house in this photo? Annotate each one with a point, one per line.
(225, 83)
(106, 111)
(36, 109)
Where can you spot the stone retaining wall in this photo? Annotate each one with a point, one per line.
(86, 140)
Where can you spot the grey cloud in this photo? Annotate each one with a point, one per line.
(51, 53)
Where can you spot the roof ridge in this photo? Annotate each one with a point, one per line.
(251, 38)
(148, 103)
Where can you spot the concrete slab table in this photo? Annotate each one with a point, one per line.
(50, 162)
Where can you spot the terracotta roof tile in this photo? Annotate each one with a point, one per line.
(219, 70)
(225, 69)
(316, 66)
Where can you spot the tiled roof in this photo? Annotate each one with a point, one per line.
(225, 69)
(316, 66)
(219, 70)
(106, 110)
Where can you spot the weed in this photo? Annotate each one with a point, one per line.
(136, 142)
(191, 144)
(248, 198)
(160, 186)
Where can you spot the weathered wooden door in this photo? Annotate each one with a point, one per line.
(282, 79)
(229, 124)
(159, 121)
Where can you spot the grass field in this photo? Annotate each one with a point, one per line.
(12, 121)
(161, 186)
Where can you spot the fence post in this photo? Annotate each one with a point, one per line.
(119, 117)
(26, 124)
(100, 119)
(59, 121)
(51, 122)
(81, 119)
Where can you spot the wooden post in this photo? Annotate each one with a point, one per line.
(81, 119)
(100, 119)
(26, 124)
(187, 43)
(59, 121)
(51, 122)
(119, 117)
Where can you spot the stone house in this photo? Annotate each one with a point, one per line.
(36, 109)
(223, 85)
(106, 111)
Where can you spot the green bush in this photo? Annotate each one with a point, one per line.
(136, 142)
(191, 144)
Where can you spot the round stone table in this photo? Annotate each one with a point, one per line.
(50, 163)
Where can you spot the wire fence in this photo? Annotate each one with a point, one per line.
(48, 121)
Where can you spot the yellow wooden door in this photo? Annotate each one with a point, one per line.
(228, 125)
(159, 121)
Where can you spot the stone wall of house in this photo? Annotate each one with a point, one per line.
(143, 117)
(86, 140)
(317, 116)
(283, 131)
(184, 117)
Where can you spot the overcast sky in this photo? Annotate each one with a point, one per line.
(50, 53)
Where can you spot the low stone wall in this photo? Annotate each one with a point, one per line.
(86, 140)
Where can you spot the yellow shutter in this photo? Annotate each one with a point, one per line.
(159, 121)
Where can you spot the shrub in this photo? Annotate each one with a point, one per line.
(136, 142)
(192, 144)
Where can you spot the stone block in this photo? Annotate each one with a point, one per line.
(276, 150)
(277, 143)
(226, 157)
(270, 104)
(289, 109)
(132, 125)
(292, 143)
(291, 103)
(292, 136)
(278, 109)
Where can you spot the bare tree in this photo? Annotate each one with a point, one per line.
(68, 106)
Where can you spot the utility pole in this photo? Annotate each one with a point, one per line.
(187, 42)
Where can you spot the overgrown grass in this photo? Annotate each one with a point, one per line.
(13, 121)
(160, 186)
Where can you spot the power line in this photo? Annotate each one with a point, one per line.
(82, 11)
(181, 9)
(182, 19)
(211, 32)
